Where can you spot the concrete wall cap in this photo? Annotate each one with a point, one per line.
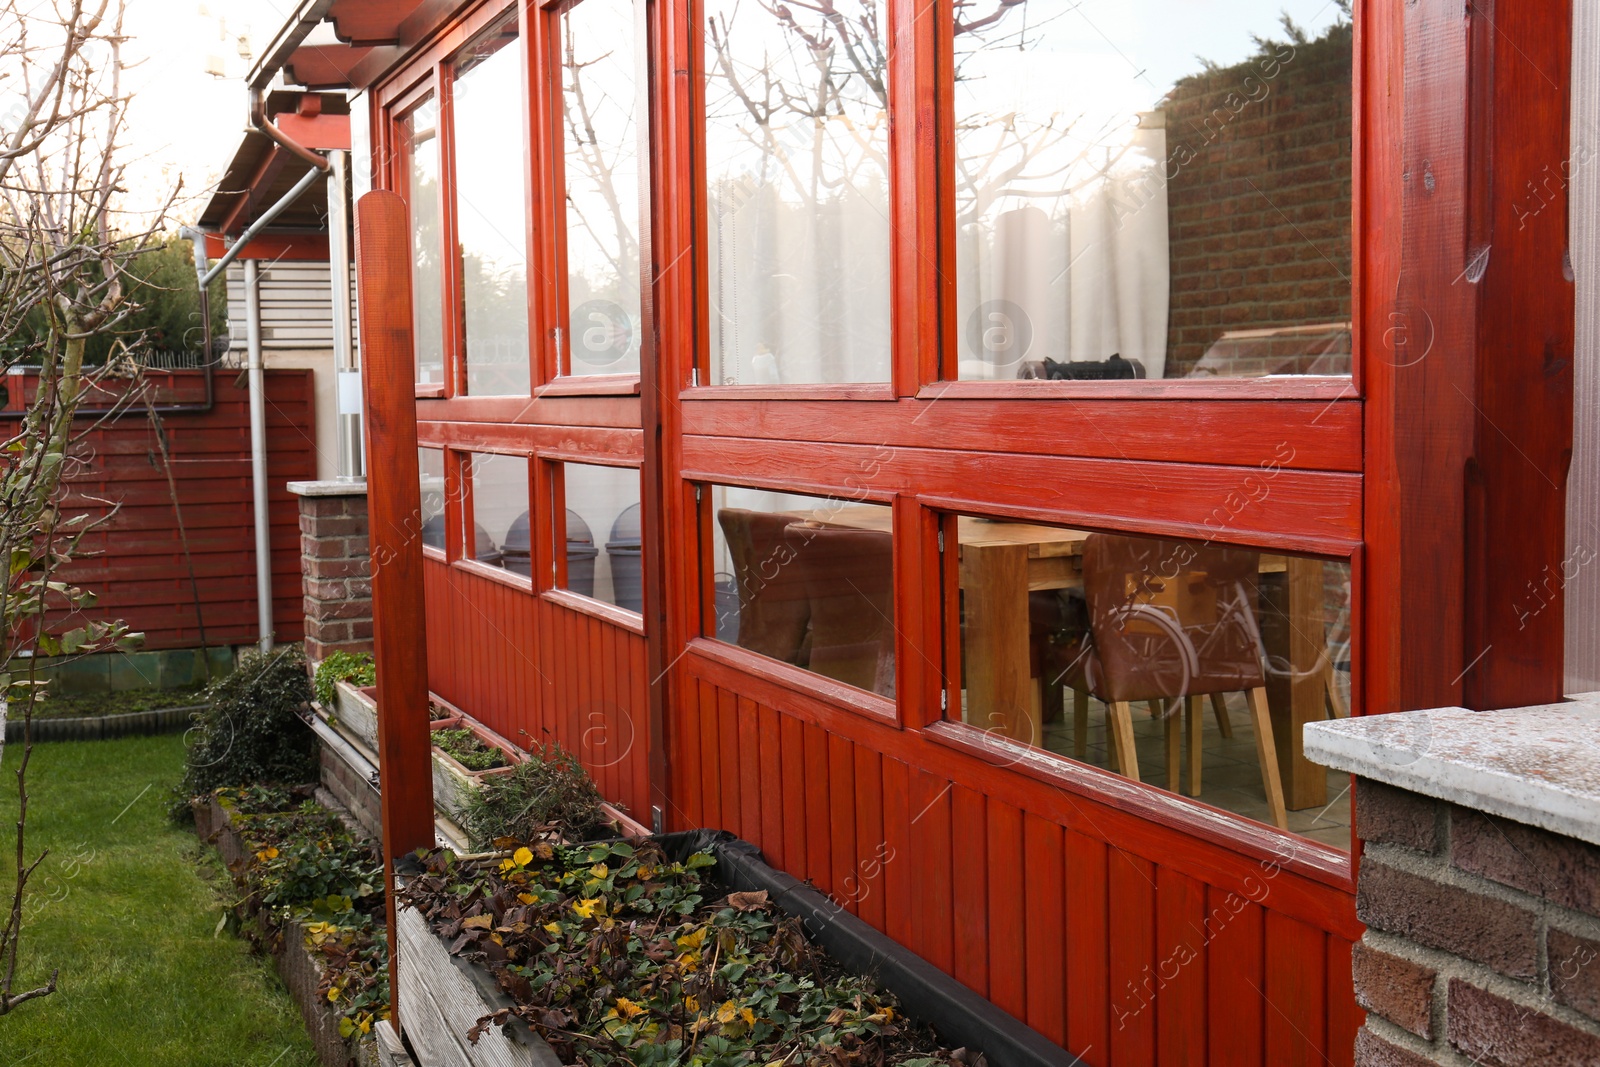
(330, 487)
(1537, 765)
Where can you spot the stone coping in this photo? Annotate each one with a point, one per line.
(1538, 765)
(329, 487)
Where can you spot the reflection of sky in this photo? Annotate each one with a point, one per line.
(1104, 58)
(489, 186)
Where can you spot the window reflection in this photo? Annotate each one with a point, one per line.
(419, 136)
(1183, 664)
(604, 543)
(808, 581)
(1147, 190)
(797, 193)
(598, 104)
(499, 501)
(430, 470)
(491, 218)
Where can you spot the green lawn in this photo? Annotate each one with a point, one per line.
(68, 705)
(122, 908)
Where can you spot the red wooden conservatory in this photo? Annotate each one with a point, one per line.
(957, 447)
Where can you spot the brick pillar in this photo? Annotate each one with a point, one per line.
(1483, 937)
(334, 566)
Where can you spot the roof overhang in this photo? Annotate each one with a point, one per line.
(348, 44)
(262, 172)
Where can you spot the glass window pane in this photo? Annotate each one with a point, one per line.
(500, 511)
(598, 102)
(491, 213)
(1189, 653)
(797, 192)
(419, 133)
(603, 546)
(806, 580)
(1148, 189)
(430, 466)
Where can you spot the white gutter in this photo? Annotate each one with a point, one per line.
(258, 451)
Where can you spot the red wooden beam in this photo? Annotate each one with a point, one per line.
(394, 509)
(296, 248)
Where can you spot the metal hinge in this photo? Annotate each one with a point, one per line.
(944, 700)
(941, 542)
(694, 377)
(556, 333)
(697, 494)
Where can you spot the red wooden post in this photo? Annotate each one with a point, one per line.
(394, 511)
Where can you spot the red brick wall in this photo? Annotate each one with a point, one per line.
(1483, 938)
(1258, 196)
(336, 574)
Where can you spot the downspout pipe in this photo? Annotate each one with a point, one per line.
(258, 451)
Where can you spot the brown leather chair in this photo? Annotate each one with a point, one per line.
(1168, 620)
(774, 607)
(849, 578)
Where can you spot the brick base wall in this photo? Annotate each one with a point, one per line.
(353, 792)
(335, 574)
(1483, 938)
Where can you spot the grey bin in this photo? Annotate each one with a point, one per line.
(625, 551)
(581, 552)
(433, 536)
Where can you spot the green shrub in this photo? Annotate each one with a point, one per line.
(250, 733)
(465, 747)
(551, 790)
(356, 668)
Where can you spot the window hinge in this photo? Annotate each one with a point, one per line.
(694, 377)
(944, 700)
(556, 333)
(697, 494)
(941, 542)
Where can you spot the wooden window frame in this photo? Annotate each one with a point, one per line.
(467, 512)
(554, 462)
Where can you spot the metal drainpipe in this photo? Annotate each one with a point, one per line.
(346, 365)
(258, 451)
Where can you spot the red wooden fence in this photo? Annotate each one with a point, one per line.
(135, 562)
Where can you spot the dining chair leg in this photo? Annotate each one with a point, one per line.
(1219, 707)
(1194, 719)
(1267, 753)
(1119, 719)
(1154, 708)
(1174, 729)
(1080, 723)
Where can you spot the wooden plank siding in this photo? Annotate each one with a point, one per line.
(1127, 947)
(135, 561)
(540, 672)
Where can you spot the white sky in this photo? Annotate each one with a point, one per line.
(184, 121)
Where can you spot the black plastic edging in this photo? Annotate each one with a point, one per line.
(959, 1016)
(106, 727)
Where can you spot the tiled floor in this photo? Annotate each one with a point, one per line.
(1230, 775)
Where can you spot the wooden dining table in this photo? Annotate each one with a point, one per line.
(1000, 563)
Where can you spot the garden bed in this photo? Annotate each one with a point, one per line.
(649, 952)
(312, 901)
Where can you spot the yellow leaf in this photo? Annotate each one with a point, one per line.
(692, 1003)
(552, 929)
(478, 922)
(522, 857)
(267, 854)
(333, 995)
(506, 865)
(599, 870)
(526, 898)
(728, 1012)
(694, 940)
(585, 909)
(748, 1016)
(627, 1008)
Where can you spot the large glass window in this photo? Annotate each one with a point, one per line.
(496, 519)
(603, 535)
(1183, 664)
(419, 137)
(806, 580)
(797, 192)
(599, 100)
(491, 214)
(1152, 189)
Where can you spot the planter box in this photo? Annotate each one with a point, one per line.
(453, 783)
(356, 710)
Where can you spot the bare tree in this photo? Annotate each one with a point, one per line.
(63, 273)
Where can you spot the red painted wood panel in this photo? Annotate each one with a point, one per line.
(1046, 957)
(1236, 973)
(1180, 969)
(1296, 992)
(1003, 838)
(970, 886)
(135, 562)
(1088, 887)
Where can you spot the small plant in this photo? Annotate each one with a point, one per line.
(356, 668)
(549, 791)
(468, 750)
(250, 731)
